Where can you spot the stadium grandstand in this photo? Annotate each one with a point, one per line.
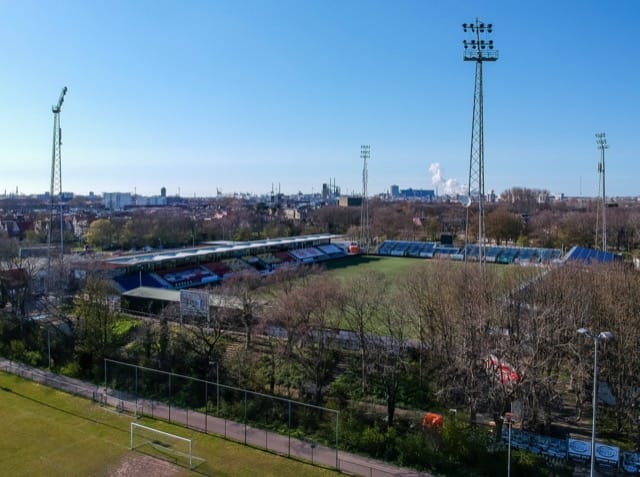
(493, 254)
(215, 261)
(588, 255)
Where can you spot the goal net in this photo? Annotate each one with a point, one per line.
(163, 445)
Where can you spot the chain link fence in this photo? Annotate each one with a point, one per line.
(268, 422)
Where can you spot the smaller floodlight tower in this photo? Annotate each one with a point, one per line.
(601, 140)
(477, 48)
(365, 153)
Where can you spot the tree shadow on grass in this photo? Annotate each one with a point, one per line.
(65, 411)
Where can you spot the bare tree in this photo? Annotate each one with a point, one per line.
(242, 288)
(365, 298)
(426, 293)
(307, 316)
(390, 356)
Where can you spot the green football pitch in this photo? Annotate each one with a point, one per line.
(391, 267)
(48, 432)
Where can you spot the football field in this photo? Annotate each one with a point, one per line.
(48, 432)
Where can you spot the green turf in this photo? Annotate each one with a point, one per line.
(391, 267)
(394, 267)
(48, 432)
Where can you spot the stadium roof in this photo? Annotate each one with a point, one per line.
(216, 248)
(164, 294)
(151, 293)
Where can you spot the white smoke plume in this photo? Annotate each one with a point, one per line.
(445, 186)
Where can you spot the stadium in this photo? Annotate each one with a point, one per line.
(210, 263)
(150, 281)
(213, 262)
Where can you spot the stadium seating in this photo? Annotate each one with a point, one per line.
(587, 255)
(549, 254)
(471, 252)
(187, 276)
(221, 269)
(492, 253)
(135, 280)
(400, 248)
(331, 250)
(507, 256)
(427, 250)
(308, 255)
(237, 264)
(526, 256)
(284, 257)
(385, 248)
(269, 259)
(442, 251)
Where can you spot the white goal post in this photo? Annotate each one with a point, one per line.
(162, 442)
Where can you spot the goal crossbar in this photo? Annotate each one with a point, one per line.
(135, 425)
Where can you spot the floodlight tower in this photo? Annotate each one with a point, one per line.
(365, 153)
(477, 48)
(601, 140)
(55, 193)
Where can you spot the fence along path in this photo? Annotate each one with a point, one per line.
(287, 446)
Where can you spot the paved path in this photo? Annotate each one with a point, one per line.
(277, 443)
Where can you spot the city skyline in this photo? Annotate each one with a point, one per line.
(237, 97)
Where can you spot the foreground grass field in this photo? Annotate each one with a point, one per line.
(48, 432)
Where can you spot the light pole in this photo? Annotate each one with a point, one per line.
(603, 335)
(601, 140)
(508, 419)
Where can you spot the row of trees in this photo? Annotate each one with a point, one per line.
(554, 225)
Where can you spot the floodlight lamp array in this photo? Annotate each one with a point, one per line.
(478, 44)
(479, 26)
(601, 140)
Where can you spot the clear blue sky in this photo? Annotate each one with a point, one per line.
(240, 94)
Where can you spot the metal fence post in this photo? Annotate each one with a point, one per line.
(245, 417)
(289, 427)
(337, 433)
(206, 405)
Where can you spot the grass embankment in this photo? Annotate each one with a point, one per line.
(48, 432)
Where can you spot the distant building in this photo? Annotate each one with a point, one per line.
(420, 194)
(326, 191)
(117, 200)
(154, 201)
(346, 201)
(412, 194)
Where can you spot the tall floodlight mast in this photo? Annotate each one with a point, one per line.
(477, 48)
(601, 140)
(365, 153)
(55, 193)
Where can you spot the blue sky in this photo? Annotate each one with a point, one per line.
(238, 95)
